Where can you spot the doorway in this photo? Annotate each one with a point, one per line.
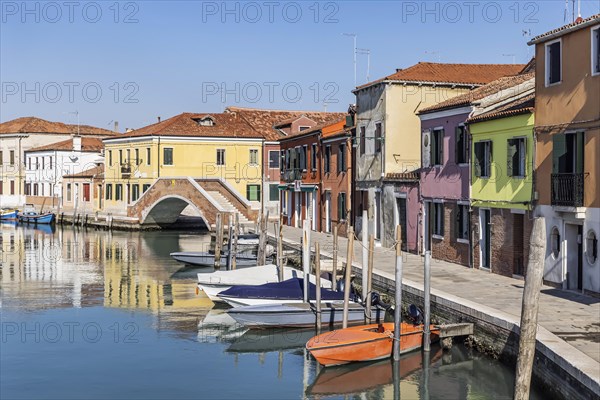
(574, 256)
(485, 241)
(518, 244)
(297, 209)
(328, 212)
(401, 220)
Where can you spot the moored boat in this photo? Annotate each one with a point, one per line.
(365, 343)
(205, 259)
(299, 315)
(8, 215)
(32, 217)
(288, 291)
(214, 283)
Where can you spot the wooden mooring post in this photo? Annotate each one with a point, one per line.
(280, 258)
(318, 285)
(230, 242)
(427, 301)
(306, 256)
(529, 309)
(335, 259)
(218, 240)
(262, 240)
(398, 295)
(347, 276)
(235, 241)
(369, 283)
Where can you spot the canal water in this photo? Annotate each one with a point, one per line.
(100, 315)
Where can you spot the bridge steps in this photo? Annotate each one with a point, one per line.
(227, 206)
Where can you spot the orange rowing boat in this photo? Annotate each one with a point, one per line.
(365, 343)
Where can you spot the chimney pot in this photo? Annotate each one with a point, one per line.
(76, 143)
(159, 118)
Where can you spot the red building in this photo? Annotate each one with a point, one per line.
(316, 176)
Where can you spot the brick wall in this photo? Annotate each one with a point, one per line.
(510, 236)
(449, 249)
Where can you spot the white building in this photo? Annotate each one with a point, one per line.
(21, 134)
(46, 165)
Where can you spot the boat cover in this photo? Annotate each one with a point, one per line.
(291, 289)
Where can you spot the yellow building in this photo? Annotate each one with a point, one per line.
(221, 146)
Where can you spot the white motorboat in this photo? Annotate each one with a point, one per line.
(205, 259)
(214, 283)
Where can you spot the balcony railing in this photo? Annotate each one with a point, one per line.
(125, 170)
(291, 175)
(567, 190)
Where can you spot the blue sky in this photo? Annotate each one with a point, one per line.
(133, 61)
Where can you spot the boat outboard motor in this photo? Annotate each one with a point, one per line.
(415, 315)
(376, 301)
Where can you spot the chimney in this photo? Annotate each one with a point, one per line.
(117, 126)
(76, 143)
(159, 118)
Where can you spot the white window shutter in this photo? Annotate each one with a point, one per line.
(425, 148)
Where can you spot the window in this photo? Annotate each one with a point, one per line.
(2, 187)
(253, 192)
(555, 242)
(120, 157)
(42, 189)
(148, 153)
(43, 162)
(362, 139)
(341, 206)
(109, 191)
(110, 158)
(128, 159)
(327, 166)
(253, 156)
(135, 192)
(69, 195)
(1, 158)
(483, 159)
(12, 157)
(341, 164)
(592, 247)
(273, 192)
(12, 187)
(313, 156)
(303, 157)
(516, 157)
(274, 158)
(27, 189)
(553, 62)
(145, 187)
(378, 137)
(437, 216)
(462, 145)
(118, 192)
(437, 147)
(303, 128)
(462, 222)
(50, 162)
(596, 51)
(137, 156)
(168, 156)
(29, 159)
(35, 189)
(220, 156)
(86, 192)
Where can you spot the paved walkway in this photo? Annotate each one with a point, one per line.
(571, 316)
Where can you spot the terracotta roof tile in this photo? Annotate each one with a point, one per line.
(264, 121)
(38, 125)
(226, 125)
(520, 106)
(334, 127)
(88, 144)
(576, 25)
(502, 84)
(451, 74)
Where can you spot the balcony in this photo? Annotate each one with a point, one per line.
(567, 190)
(125, 171)
(291, 175)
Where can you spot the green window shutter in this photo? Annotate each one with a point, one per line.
(511, 151)
(559, 150)
(478, 159)
(579, 160)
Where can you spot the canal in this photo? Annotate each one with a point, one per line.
(109, 315)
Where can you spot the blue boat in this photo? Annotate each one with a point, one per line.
(289, 291)
(32, 217)
(8, 215)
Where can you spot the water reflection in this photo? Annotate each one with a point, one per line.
(182, 344)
